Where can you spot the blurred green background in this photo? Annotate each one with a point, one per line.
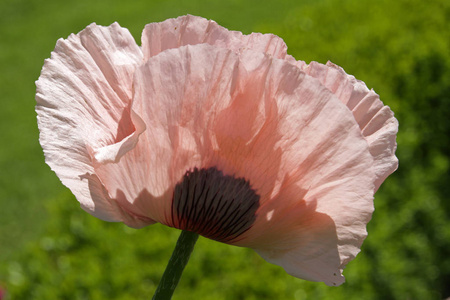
(51, 249)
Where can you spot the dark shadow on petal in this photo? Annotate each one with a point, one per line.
(291, 233)
(247, 134)
(126, 126)
(116, 209)
(310, 250)
(137, 208)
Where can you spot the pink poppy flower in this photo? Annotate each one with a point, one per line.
(220, 133)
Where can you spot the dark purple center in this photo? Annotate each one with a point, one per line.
(217, 206)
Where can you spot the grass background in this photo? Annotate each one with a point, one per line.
(51, 249)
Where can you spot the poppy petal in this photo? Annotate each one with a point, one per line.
(177, 93)
(83, 98)
(317, 231)
(377, 122)
(192, 30)
(319, 196)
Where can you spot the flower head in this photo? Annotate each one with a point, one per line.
(220, 133)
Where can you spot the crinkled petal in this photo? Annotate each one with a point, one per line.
(310, 240)
(83, 98)
(314, 266)
(114, 152)
(301, 239)
(320, 195)
(377, 122)
(177, 93)
(192, 30)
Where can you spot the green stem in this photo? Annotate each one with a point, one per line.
(176, 265)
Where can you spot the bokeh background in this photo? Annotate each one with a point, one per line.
(51, 249)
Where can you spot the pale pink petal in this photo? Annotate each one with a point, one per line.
(265, 43)
(377, 122)
(116, 54)
(114, 152)
(103, 207)
(83, 99)
(302, 240)
(311, 240)
(192, 30)
(313, 265)
(178, 92)
(299, 63)
(325, 155)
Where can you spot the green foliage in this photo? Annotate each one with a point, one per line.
(51, 249)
